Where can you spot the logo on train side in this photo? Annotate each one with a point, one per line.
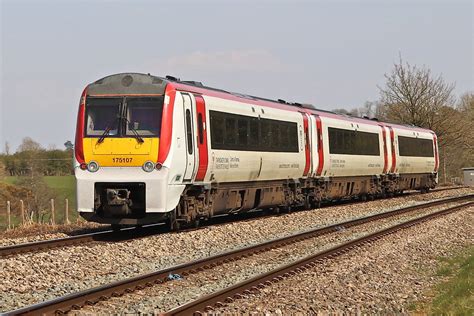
(227, 163)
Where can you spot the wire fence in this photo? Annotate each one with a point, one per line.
(21, 216)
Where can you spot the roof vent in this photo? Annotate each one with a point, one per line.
(127, 81)
(281, 101)
(171, 78)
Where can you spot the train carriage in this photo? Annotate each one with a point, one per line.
(151, 149)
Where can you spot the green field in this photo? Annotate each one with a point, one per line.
(62, 188)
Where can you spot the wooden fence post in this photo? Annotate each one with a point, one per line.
(22, 207)
(53, 220)
(8, 215)
(66, 205)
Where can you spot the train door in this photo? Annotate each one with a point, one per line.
(306, 137)
(313, 145)
(189, 135)
(319, 145)
(385, 151)
(393, 167)
(201, 138)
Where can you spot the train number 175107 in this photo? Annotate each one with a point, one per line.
(122, 160)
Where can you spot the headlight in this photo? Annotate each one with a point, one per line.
(92, 166)
(148, 166)
(158, 166)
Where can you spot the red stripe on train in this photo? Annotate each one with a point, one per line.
(166, 124)
(306, 144)
(319, 128)
(385, 154)
(435, 142)
(394, 157)
(79, 146)
(201, 137)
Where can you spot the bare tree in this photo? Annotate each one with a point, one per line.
(466, 137)
(28, 144)
(412, 95)
(7, 148)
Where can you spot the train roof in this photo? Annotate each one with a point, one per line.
(147, 84)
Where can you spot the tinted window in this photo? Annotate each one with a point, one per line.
(200, 128)
(242, 130)
(415, 147)
(189, 133)
(144, 116)
(217, 129)
(230, 131)
(349, 142)
(101, 115)
(252, 134)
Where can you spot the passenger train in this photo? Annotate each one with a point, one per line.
(150, 149)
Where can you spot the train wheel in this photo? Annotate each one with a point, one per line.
(363, 197)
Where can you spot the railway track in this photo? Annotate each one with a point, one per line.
(94, 295)
(110, 235)
(254, 285)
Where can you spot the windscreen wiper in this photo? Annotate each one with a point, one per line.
(107, 130)
(135, 132)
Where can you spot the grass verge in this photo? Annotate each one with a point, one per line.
(455, 295)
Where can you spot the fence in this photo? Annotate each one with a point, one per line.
(24, 217)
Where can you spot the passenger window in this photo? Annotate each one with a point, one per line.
(266, 134)
(200, 129)
(230, 131)
(189, 132)
(242, 128)
(285, 136)
(275, 135)
(217, 130)
(240, 132)
(253, 134)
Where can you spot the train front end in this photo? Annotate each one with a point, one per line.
(120, 177)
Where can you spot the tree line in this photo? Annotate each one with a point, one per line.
(413, 95)
(31, 159)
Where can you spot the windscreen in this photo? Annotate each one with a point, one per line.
(102, 114)
(144, 116)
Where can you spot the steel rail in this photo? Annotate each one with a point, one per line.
(97, 236)
(78, 239)
(218, 299)
(93, 295)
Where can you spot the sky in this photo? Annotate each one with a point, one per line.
(333, 54)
